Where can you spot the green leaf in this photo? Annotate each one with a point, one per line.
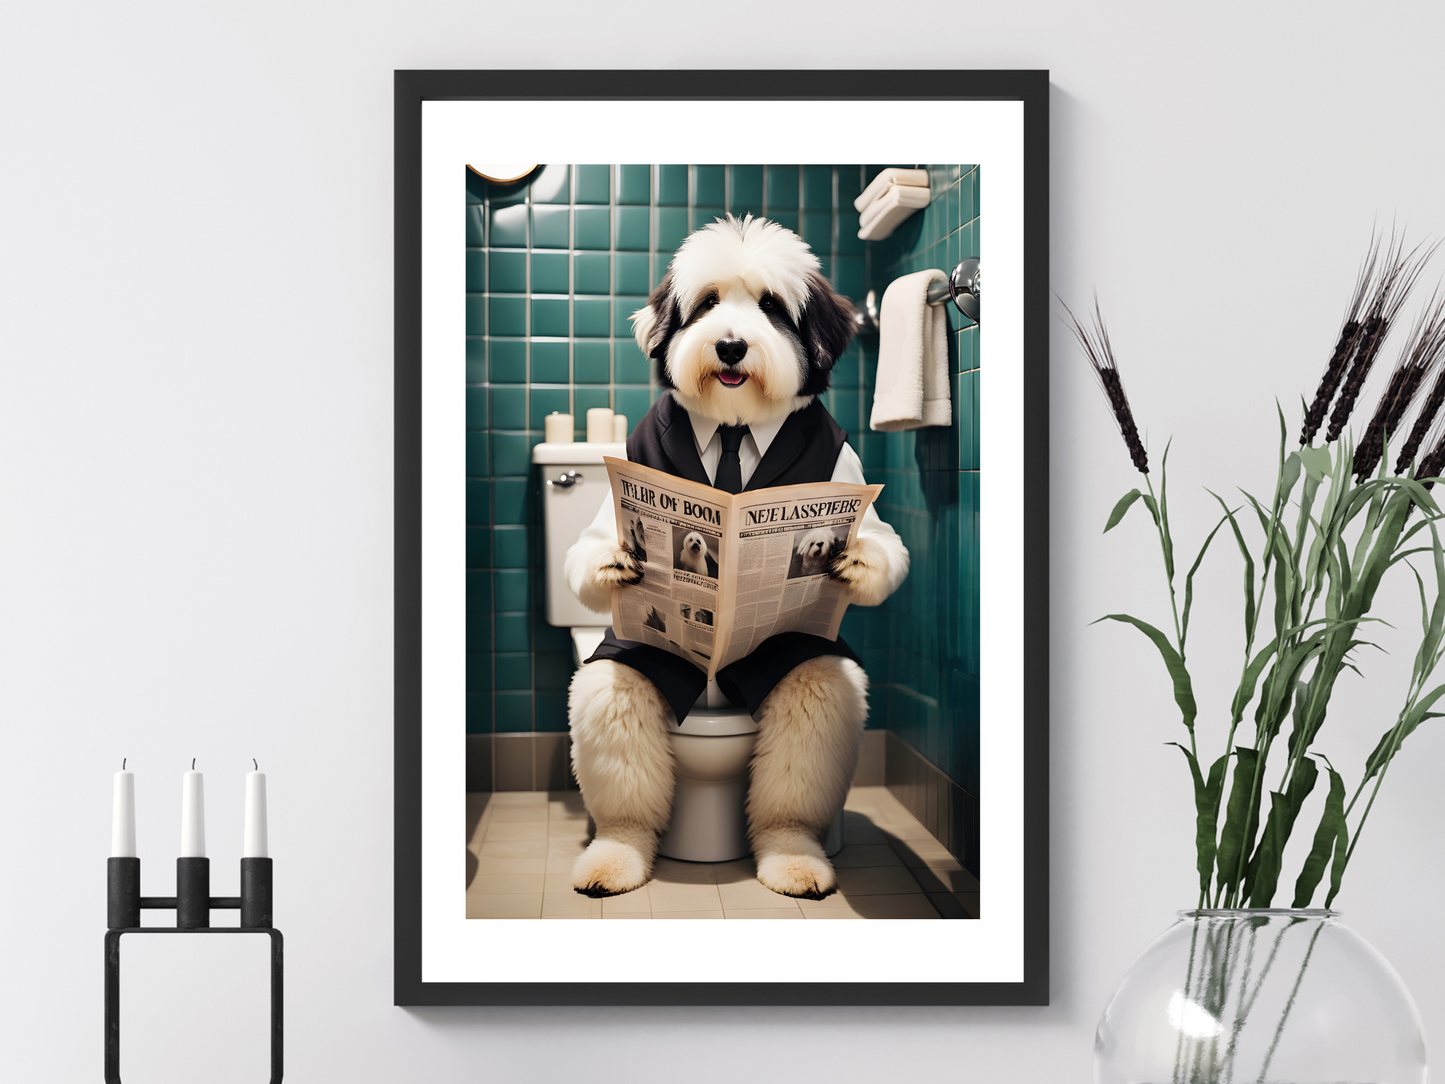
(1248, 570)
(1389, 743)
(1206, 812)
(1283, 810)
(1330, 832)
(1241, 820)
(1189, 580)
(1125, 503)
(1316, 462)
(1183, 687)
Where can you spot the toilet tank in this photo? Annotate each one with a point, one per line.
(578, 487)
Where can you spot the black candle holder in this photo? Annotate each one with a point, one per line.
(193, 905)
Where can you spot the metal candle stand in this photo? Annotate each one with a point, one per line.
(193, 904)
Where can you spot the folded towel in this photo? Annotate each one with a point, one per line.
(886, 214)
(880, 183)
(912, 387)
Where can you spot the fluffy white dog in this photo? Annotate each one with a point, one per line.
(815, 547)
(744, 330)
(693, 554)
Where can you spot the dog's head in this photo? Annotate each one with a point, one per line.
(693, 545)
(744, 328)
(815, 544)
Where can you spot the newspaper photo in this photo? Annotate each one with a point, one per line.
(722, 572)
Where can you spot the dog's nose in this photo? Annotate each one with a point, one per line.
(731, 351)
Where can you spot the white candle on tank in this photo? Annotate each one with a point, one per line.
(254, 845)
(122, 816)
(193, 814)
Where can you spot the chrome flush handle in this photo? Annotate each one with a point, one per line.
(566, 481)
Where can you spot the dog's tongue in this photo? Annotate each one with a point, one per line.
(731, 378)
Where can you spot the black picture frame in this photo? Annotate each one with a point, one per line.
(412, 89)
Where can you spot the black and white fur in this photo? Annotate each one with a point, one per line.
(753, 282)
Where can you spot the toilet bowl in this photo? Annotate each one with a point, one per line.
(711, 749)
(713, 744)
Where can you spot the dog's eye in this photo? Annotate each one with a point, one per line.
(710, 301)
(766, 303)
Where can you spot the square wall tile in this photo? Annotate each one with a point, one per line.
(631, 273)
(584, 399)
(476, 226)
(478, 454)
(591, 274)
(514, 670)
(634, 185)
(476, 314)
(477, 408)
(477, 493)
(745, 185)
(550, 227)
(709, 186)
(672, 186)
(553, 185)
(671, 228)
(479, 673)
(508, 315)
(479, 592)
(509, 226)
(632, 231)
(549, 273)
(590, 317)
(591, 362)
(549, 316)
(551, 362)
(477, 361)
(509, 361)
(634, 402)
(704, 216)
(630, 364)
(818, 187)
(550, 706)
(593, 228)
(479, 714)
(818, 231)
(782, 188)
(624, 308)
(594, 184)
(508, 272)
(511, 503)
(511, 549)
(476, 271)
(513, 628)
(511, 454)
(509, 408)
(514, 711)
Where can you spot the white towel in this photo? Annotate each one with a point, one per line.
(890, 176)
(912, 386)
(886, 214)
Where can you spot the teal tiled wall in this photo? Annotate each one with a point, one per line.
(554, 269)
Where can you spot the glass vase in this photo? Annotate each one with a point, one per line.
(1260, 997)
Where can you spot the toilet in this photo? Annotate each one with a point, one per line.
(712, 746)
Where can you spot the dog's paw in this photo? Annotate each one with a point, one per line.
(863, 569)
(805, 876)
(609, 867)
(621, 570)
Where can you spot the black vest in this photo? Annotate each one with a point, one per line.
(805, 449)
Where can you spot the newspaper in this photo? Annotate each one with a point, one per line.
(721, 571)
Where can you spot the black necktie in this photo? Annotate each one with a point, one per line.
(730, 467)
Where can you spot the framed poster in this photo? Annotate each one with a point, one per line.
(528, 295)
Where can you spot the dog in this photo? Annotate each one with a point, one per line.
(654, 620)
(815, 548)
(744, 329)
(638, 535)
(693, 556)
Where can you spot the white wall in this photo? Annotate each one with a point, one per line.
(195, 352)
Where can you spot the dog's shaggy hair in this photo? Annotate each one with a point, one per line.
(815, 547)
(693, 554)
(743, 329)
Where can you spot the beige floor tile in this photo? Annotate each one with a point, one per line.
(915, 905)
(560, 865)
(627, 914)
(512, 905)
(735, 872)
(518, 814)
(568, 918)
(762, 912)
(559, 881)
(877, 880)
(497, 833)
(489, 865)
(687, 914)
(512, 848)
(970, 902)
(569, 904)
(565, 848)
(925, 852)
(666, 896)
(566, 805)
(683, 873)
(751, 894)
(628, 902)
(519, 797)
(506, 883)
(935, 879)
(859, 830)
(866, 854)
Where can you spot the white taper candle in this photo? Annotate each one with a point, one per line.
(193, 814)
(599, 425)
(255, 842)
(122, 815)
